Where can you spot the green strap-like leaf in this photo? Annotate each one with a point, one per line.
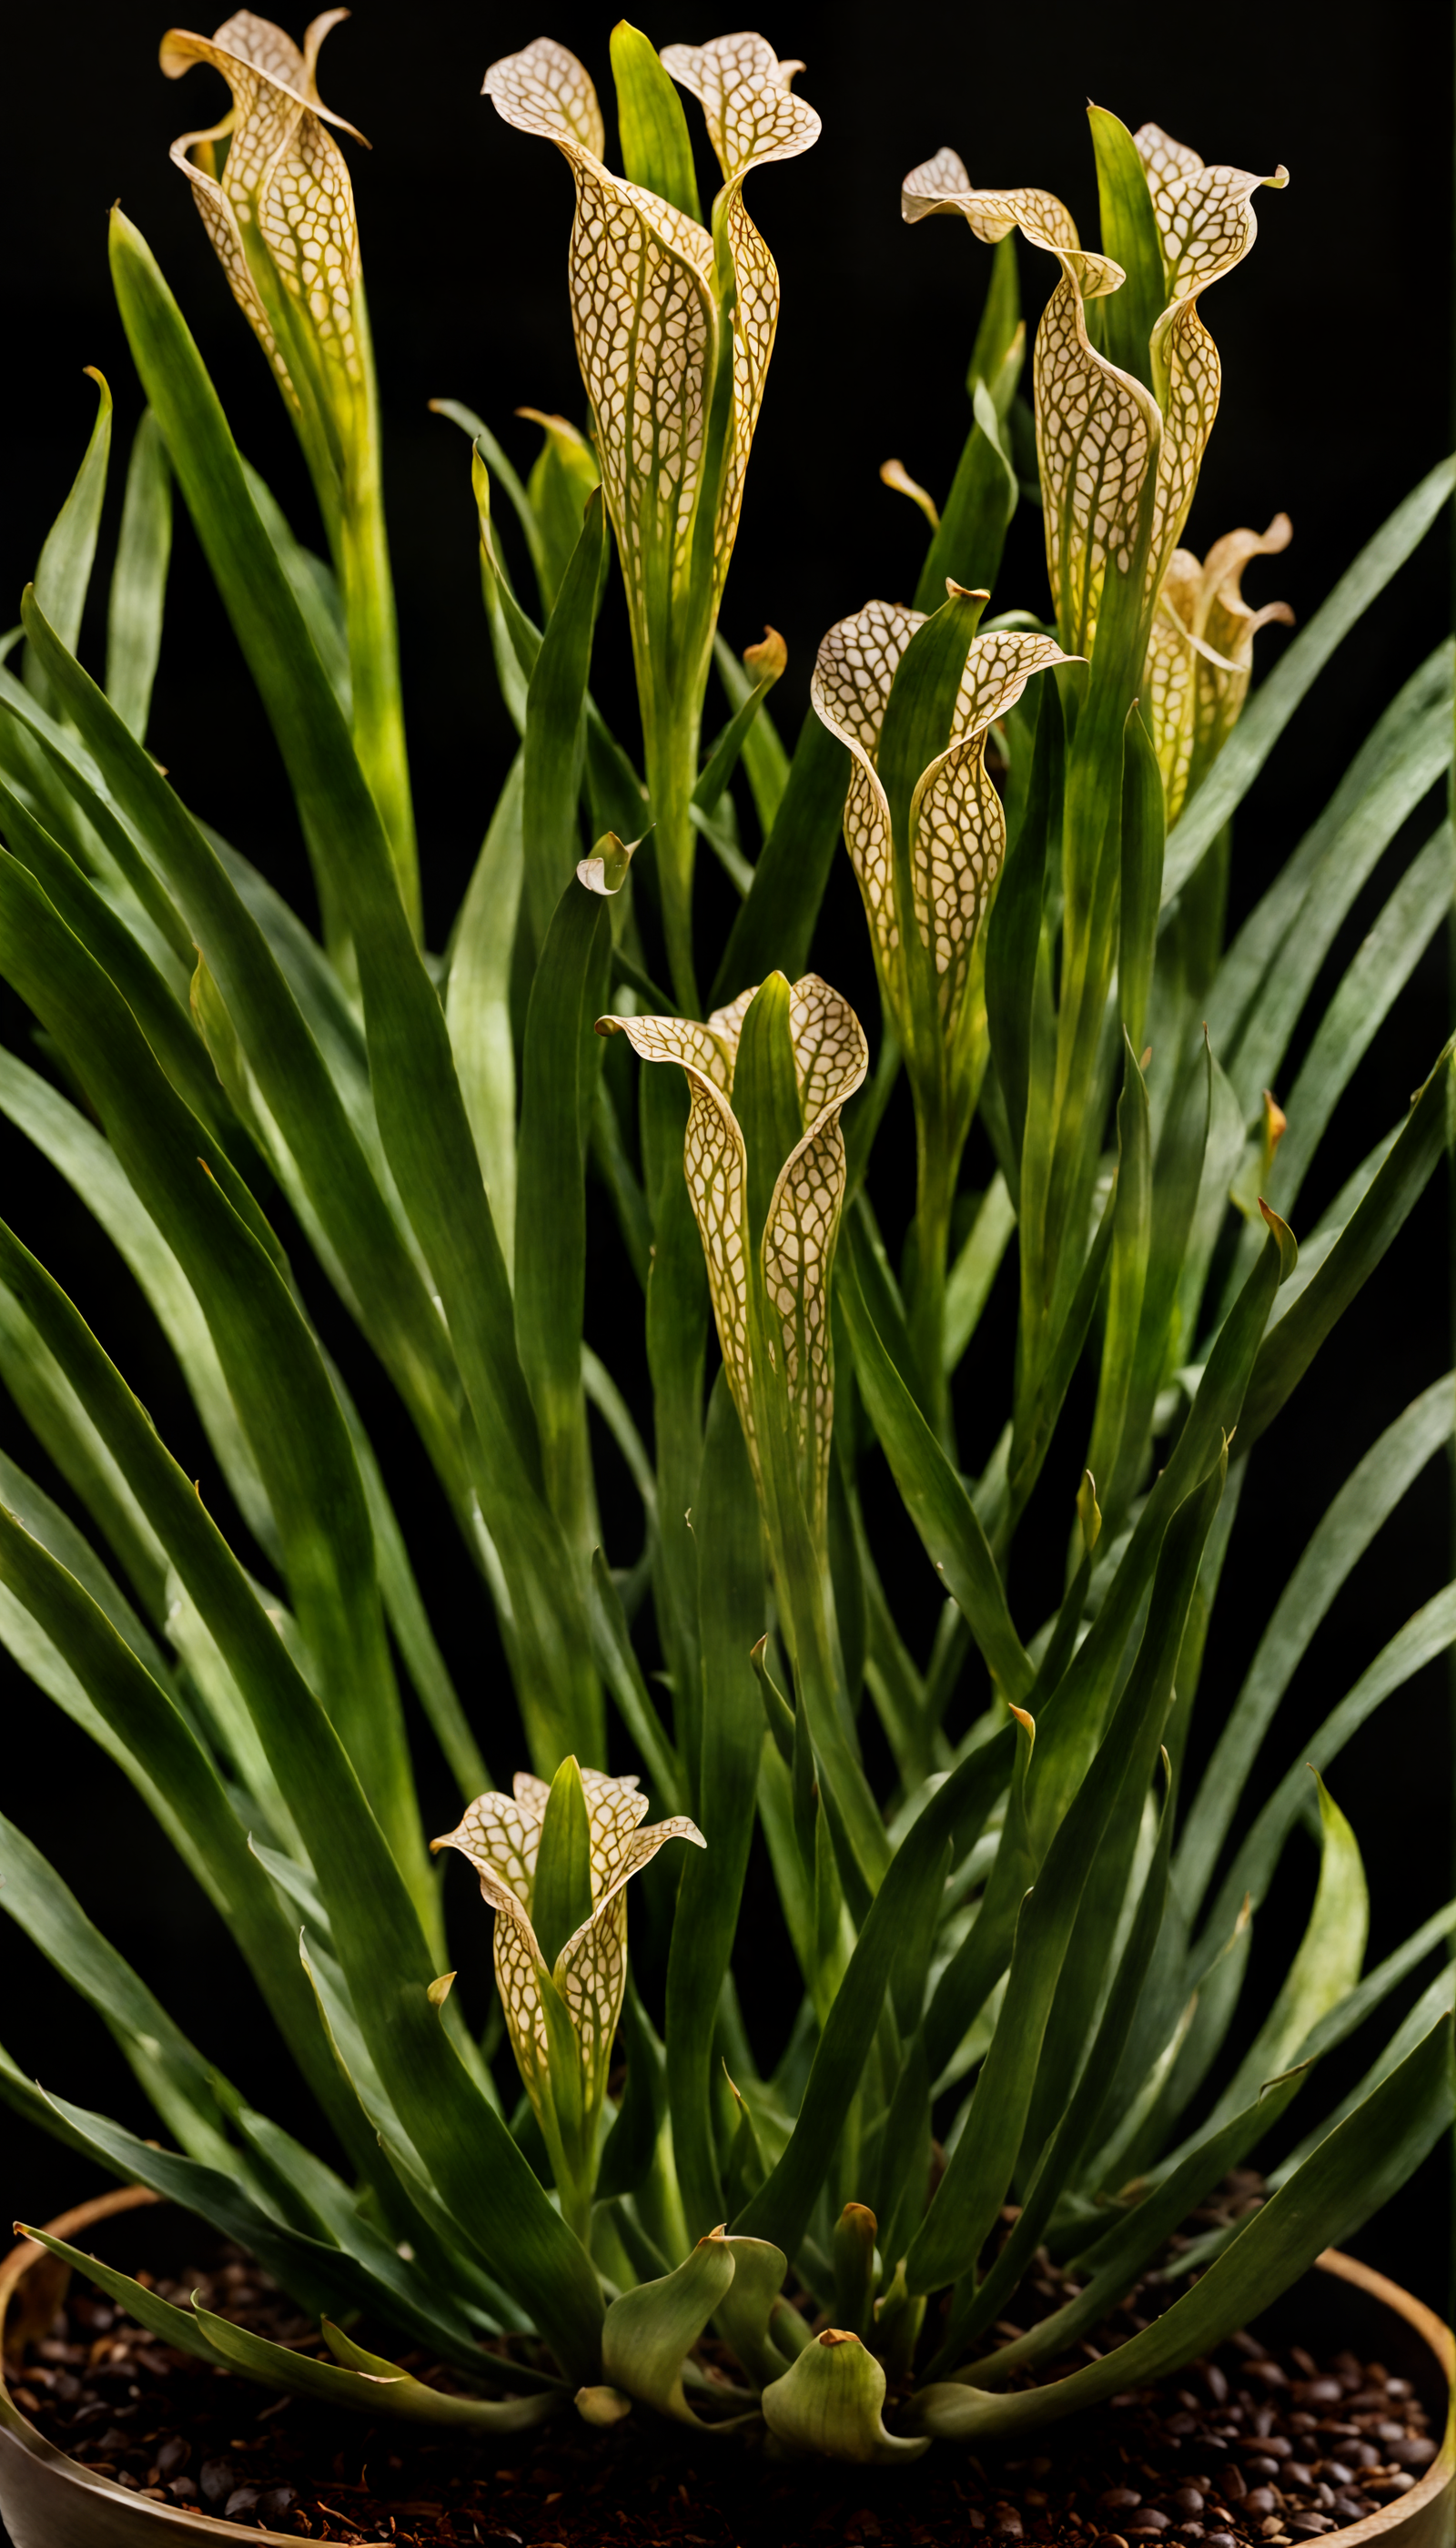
(1424, 1637)
(284, 1059)
(1433, 2004)
(972, 532)
(1286, 1354)
(561, 1891)
(503, 475)
(146, 1721)
(773, 929)
(657, 149)
(1347, 861)
(1347, 2178)
(1130, 234)
(64, 783)
(780, 2210)
(33, 1509)
(622, 1673)
(381, 1944)
(1327, 1966)
(1032, 1439)
(733, 741)
(91, 1168)
(765, 761)
(422, 1118)
(1266, 974)
(1104, 1814)
(381, 2390)
(1141, 874)
(477, 1003)
(1069, 1718)
(1068, 2144)
(314, 587)
(1260, 729)
(1132, 1237)
(561, 485)
(45, 1401)
(1363, 1505)
(974, 1268)
(189, 2093)
(560, 1066)
(1373, 982)
(555, 730)
(293, 1420)
(1014, 931)
(160, 2318)
(732, 1597)
(935, 1498)
(118, 948)
(63, 570)
(138, 581)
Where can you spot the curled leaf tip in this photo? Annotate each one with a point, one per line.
(1284, 1239)
(1025, 1720)
(605, 870)
(895, 474)
(438, 1991)
(750, 108)
(839, 2336)
(766, 660)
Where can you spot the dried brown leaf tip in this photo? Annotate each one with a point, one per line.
(280, 208)
(635, 256)
(1199, 654)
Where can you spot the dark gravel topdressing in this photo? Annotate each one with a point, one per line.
(1255, 2445)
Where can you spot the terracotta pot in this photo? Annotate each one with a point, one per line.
(50, 2502)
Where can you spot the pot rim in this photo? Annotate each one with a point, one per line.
(1383, 2527)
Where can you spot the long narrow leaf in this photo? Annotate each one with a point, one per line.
(937, 1501)
(477, 2166)
(423, 1117)
(1241, 760)
(134, 621)
(1366, 1501)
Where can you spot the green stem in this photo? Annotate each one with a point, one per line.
(576, 2208)
(671, 739)
(806, 1598)
(937, 1160)
(373, 633)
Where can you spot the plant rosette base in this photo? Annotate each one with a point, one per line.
(304, 2471)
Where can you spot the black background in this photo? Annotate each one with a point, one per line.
(1334, 338)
